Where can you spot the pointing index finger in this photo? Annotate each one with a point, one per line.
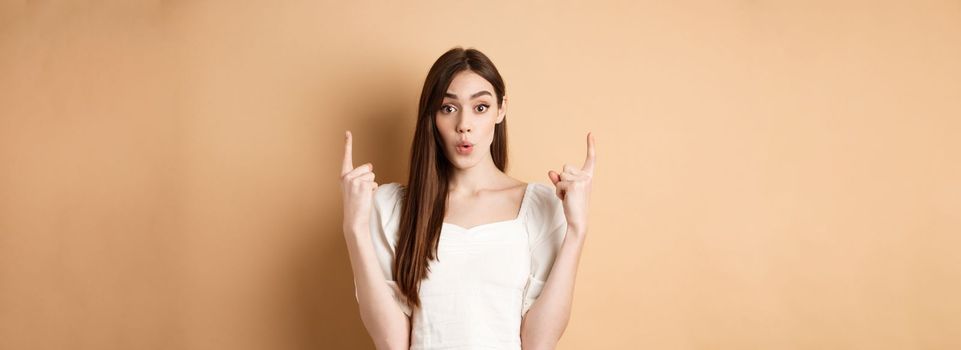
(348, 154)
(589, 162)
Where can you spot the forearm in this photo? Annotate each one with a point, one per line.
(546, 320)
(386, 323)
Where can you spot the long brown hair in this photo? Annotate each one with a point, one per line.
(425, 200)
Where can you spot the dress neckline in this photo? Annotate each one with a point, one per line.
(520, 214)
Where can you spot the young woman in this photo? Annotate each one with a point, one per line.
(464, 256)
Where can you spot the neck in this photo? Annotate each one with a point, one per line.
(482, 176)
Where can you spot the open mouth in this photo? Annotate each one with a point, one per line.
(465, 148)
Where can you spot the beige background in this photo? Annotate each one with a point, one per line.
(770, 175)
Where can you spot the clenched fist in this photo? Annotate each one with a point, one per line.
(573, 187)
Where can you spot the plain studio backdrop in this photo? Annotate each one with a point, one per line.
(770, 175)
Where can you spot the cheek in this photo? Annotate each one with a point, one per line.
(441, 124)
(491, 122)
(443, 128)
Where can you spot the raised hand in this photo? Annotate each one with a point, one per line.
(358, 188)
(573, 187)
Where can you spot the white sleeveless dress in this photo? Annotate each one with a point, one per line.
(485, 278)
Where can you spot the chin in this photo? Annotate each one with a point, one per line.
(462, 163)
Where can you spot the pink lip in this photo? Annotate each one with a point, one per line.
(465, 148)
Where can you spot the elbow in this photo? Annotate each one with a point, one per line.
(391, 340)
(540, 344)
(390, 344)
(539, 338)
(386, 336)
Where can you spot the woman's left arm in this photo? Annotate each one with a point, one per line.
(547, 318)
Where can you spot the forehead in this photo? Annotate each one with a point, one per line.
(466, 83)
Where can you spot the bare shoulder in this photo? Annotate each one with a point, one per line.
(513, 187)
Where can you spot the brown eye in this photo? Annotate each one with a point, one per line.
(482, 108)
(447, 109)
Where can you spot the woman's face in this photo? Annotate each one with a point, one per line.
(467, 116)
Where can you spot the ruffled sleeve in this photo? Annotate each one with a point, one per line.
(384, 225)
(546, 228)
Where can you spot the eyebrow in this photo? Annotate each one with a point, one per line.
(476, 95)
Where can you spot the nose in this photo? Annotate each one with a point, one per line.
(463, 124)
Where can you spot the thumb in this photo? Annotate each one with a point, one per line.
(555, 177)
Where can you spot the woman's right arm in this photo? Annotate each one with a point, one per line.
(386, 323)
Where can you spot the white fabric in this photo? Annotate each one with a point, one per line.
(485, 278)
